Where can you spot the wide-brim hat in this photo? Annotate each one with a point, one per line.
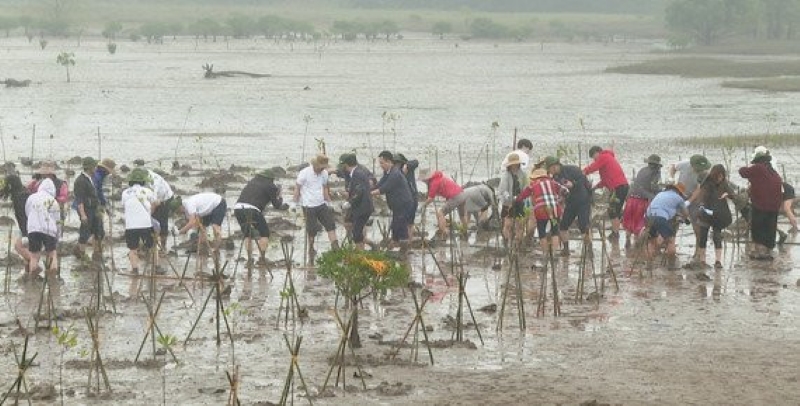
(88, 163)
(538, 173)
(513, 159)
(320, 161)
(46, 168)
(759, 152)
(653, 160)
(108, 164)
(699, 162)
(549, 161)
(678, 187)
(267, 173)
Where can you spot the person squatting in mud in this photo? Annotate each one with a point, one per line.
(661, 219)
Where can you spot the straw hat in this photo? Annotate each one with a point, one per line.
(320, 161)
(678, 187)
(513, 159)
(538, 173)
(46, 168)
(108, 164)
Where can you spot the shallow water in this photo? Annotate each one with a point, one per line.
(654, 340)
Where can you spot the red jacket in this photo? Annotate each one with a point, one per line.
(440, 185)
(766, 186)
(611, 174)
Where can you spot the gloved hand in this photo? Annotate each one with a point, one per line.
(345, 205)
(686, 203)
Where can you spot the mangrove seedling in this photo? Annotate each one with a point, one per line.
(67, 339)
(66, 59)
(166, 342)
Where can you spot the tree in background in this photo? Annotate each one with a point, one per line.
(66, 59)
(111, 30)
(440, 28)
(7, 24)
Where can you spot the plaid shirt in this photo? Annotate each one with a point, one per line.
(546, 196)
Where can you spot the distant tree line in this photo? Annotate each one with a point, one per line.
(542, 6)
(708, 22)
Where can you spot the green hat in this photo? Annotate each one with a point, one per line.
(400, 159)
(139, 175)
(653, 160)
(175, 203)
(267, 173)
(88, 163)
(549, 161)
(699, 163)
(348, 159)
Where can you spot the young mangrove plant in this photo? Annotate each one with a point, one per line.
(67, 339)
(66, 59)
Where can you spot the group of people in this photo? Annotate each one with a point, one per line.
(541, 199)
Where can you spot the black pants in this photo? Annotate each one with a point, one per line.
(763, 227)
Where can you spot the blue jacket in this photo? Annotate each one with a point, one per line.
(394, 185)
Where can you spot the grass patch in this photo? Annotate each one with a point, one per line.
(698, 67)
(744, 140)
(786, 84)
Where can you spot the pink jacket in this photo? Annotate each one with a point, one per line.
(611, 174)
(62, 195)
(440, 185)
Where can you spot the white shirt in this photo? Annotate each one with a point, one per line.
(160, 186)
(43, 210)
(524, 159)
(201, 204)
(138, 201)
(311, 187)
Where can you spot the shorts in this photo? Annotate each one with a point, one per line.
(457, 202)
(659, 226)
(617, 202)
(319, 215)
(135, 236)
(541, 227)
(788, 192)
(216, 216)
(37, 241)
(359, 222)
(252, 223)
(92, 227)
(581, 211)
(161, 214)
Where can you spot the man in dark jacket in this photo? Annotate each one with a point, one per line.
(578, 202)
(249, 211)
(398, 196)
(359, 199)
(409, 169)
(87, 205)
